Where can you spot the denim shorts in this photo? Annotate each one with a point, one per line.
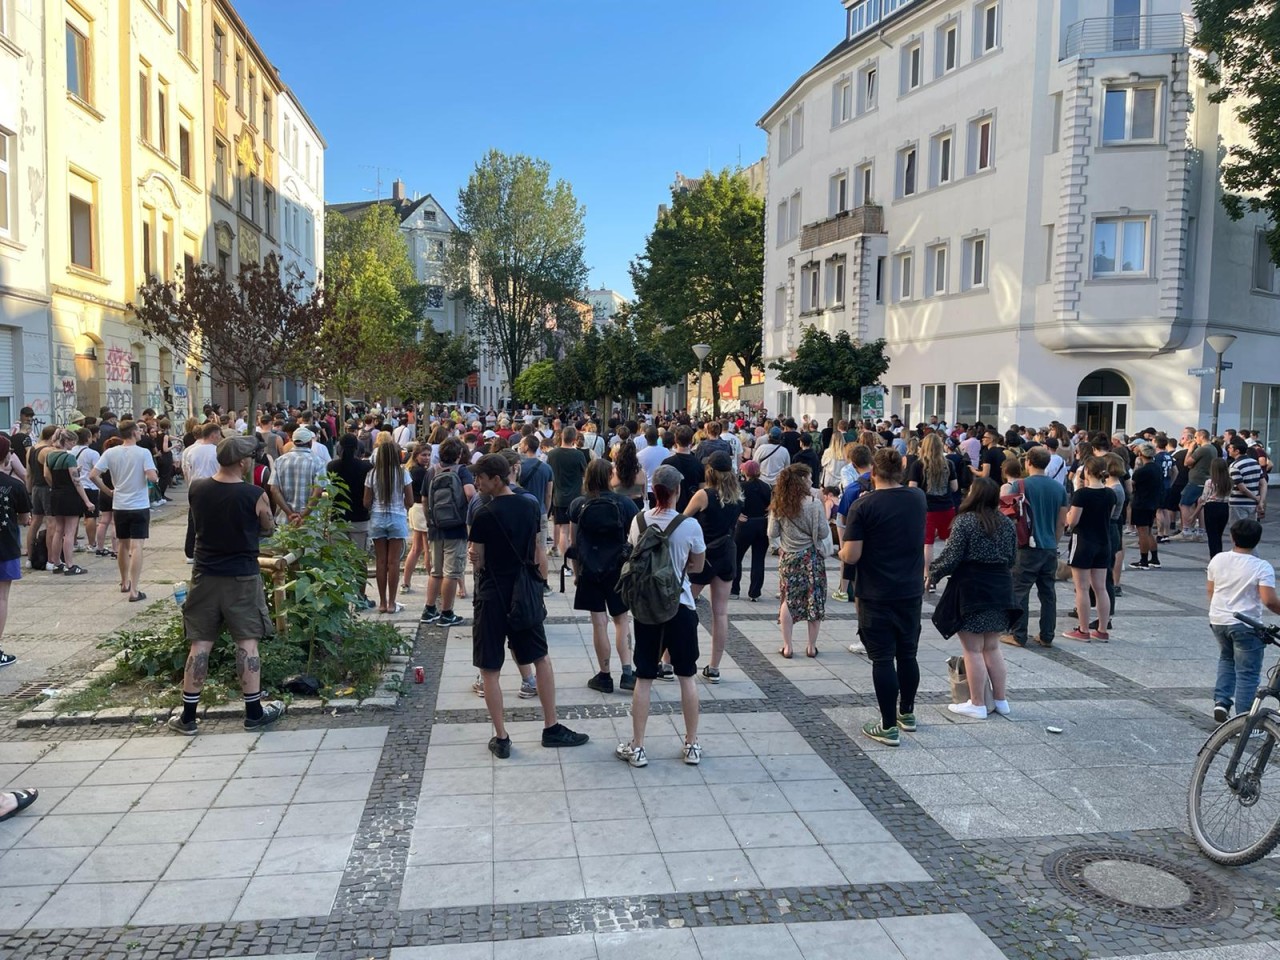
(388, 526)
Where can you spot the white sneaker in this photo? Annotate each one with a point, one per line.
(478, 687)
(977, 711)
(190, 561)
(633, 755)
(1002, 707)
(692, 754)
(857, 648)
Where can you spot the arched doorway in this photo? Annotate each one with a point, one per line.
(1103, 400)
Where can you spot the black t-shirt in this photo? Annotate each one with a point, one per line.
(1148, 486)
(791, 440)
(568, 466)
(20, 443)
(993, 457)
(501, 524)
(13, 501)
(352, 473)
(811, 460)
(936, 501)
(756, 495)
(1096, 504)
(225, 516)
(691, 474)
(890, 524)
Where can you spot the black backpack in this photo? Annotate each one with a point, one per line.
(446, 501)
(601, 544)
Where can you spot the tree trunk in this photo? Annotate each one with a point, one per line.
(253, 404)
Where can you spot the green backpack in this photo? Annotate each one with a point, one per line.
(650, 585)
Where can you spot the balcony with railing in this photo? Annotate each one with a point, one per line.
(851, 223)
(1103, 35)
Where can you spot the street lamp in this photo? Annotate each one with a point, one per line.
(700, 350)
(1218, 343)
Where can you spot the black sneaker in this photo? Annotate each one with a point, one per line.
(1221, 713)
(449, 620)
(271, 712)
(429, 615)
(188, 728)
(711, 674)
(666, 672)
(8, 660)
(627, 682)
(500, 748)
(601, 682)
(1154, 564)
(562, 736)
(1139, 565)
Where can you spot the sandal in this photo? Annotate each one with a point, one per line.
(814, 653)
(396, 608)
(25, 799)
(140, 596)
(75, 570)
(126, 587)
(785, 654)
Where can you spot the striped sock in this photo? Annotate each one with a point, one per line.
(189, 703)
(253, 705)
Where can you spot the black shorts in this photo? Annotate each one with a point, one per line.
(678, 637)
(1089, 554)
(1172, 498)
(598, 596)
(94, 498)
(490, 636)
(40, 501)
(1142, 517)
(561, 513)
(721, 564)
(132, 524)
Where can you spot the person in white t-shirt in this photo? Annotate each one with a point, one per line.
(130, 466)
(388, 495)
(1239, 582)
(678, 637)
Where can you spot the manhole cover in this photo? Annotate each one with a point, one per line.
(1137, 886)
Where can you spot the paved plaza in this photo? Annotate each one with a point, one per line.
(397, 835)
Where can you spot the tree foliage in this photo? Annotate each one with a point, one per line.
(1242, 41)
(256, 327)
(542, 384)
(698, 280)
(517, 256)
(838, 367)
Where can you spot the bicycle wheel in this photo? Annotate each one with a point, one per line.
(1237, 826)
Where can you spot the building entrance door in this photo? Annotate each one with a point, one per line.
(1102, 403)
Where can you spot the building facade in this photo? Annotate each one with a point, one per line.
(1023, 200)
(605, 305)
(25, 370)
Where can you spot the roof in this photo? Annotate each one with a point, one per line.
(404, 208)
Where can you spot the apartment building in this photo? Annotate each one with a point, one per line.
(1022, 198)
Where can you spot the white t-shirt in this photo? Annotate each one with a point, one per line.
(397, 500)
(773, 459)
(128, 466)
(686, 540)
(650, 460)
(1236, 578)
(88, 458)
(200, 460)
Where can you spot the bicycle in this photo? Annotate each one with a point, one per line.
(1234, 811)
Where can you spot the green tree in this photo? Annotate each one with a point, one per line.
(255, 327)
(698, 280)
(1241, 40)
(838, 367)
(628, 365)
(543, 384)
(517, 256)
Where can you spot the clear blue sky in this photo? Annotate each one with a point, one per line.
(615, 96)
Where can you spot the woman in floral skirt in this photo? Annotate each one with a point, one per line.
(797, 520)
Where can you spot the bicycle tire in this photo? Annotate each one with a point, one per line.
(1217, 748)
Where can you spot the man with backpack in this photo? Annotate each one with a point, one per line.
(601, 519)
(654, 583)
(535, 477)
(1037, 561)
(446, 491)
(504, 546)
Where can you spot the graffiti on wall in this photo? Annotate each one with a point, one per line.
(181, 403)
(64, 400)
(119, 374)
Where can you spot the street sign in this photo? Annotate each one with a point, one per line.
(1200, 372)
(872, 403)
(1227, 364)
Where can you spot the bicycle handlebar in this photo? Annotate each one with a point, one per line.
(1269, 632)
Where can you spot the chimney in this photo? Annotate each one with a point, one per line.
(397, 189)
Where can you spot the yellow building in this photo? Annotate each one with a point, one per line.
(125, 102)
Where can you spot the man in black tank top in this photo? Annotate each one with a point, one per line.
(230, 517)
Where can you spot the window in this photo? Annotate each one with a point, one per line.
(779, 308)
(789, 218)
(879, 279)
(78, 63)
(144, 103)
(936, 266)
(166, 248)
(934, 396)
(224, 263)
(943, 158)
(1266, 276)
(842, 101)
(308, 226)
(977, 401)
(835, 282)
(220, 155)
(1120, 246)
(435, 250)
(6, 198)
(868, 80)
(975, 263)
(907, 172)
(786, 401)
(219, 56)
(188, 268)
(989, 28)
(83, 197)
(904, 267)
(1129, 114)
(184, 27)
(790, 134)
(253, 97)
(268, 210)
(266, 117)
(148, 261)
(162, 118)
(863, 185)
(184, 149)
(240, 82)
(1048, 252)
(251, 198)
(948, 47)
(1055, 143)
(435, 298)
(839, 194)
(981, 144)
(912, 67)
(810, 288)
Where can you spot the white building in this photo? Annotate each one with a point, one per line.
(1022, 199)
(604, 304)
(301, 199)
(25, 367)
